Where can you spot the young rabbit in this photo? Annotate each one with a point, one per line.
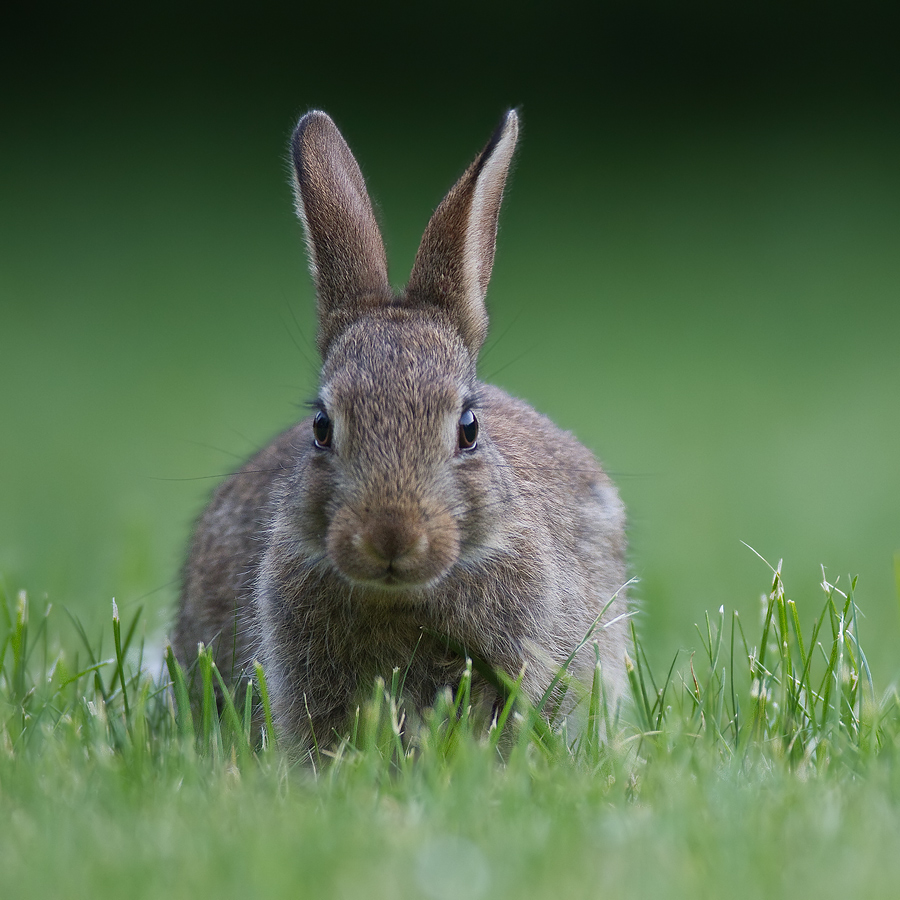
(416, 503)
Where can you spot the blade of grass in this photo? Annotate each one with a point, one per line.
(269, 729)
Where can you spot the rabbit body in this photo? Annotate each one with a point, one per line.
(417, 502)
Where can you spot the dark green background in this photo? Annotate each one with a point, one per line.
(698, 271)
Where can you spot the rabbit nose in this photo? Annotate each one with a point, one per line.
(392, 546)
(391, 540)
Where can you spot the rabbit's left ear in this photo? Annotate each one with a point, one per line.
(453, 265)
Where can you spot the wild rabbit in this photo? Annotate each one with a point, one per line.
(418, 510)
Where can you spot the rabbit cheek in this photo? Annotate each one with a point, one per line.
(309, 501)
(392, 547)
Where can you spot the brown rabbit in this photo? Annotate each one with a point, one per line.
(416, 501)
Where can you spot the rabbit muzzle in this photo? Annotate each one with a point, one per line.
(393, 547)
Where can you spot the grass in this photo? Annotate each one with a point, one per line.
(763, 764)
(702, 285)
(709, 306)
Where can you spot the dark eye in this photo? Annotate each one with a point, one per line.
(322, 430)
(468, 430)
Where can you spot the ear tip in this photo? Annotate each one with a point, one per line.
(510, 122)
(314, 115)
(507, 132)
(315, 120)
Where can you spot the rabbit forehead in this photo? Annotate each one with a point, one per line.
(409, 361)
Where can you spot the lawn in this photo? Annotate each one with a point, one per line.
(760, 768)
(715, 315)
(697, 273)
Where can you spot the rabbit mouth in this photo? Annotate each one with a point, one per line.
(400, 575)
(393, 582)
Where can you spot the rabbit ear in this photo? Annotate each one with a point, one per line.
(454, 261)
(346, 253)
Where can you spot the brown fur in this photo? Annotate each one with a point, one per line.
(334, 565)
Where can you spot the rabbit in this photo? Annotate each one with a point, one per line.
(417, 510)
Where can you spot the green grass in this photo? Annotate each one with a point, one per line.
(763, 764)
(711, 306)
(698, 276)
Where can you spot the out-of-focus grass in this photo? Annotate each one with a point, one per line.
(713, 311)
(764, 760)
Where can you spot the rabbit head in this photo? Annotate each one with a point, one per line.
(399, 486)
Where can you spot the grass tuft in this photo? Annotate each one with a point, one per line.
(800, 696)
(794, 706)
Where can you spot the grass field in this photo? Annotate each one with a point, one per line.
(757, 768)
(714, 314)
(697, 273)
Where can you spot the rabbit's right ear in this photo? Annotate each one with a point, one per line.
(346, 253)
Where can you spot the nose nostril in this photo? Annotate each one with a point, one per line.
(393, 548)
(390, 542)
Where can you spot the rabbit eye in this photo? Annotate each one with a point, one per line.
(468, 430)
(322, 430)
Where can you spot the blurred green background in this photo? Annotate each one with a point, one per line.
(698, 271)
